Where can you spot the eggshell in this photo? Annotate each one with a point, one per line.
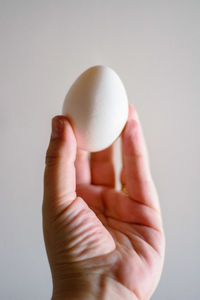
(97, 106)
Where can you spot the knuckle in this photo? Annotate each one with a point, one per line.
(50, 159)
(52, 156)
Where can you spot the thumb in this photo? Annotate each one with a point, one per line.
(60, 176)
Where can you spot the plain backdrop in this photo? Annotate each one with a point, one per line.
(154, 46)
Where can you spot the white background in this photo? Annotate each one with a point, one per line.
(154, 46)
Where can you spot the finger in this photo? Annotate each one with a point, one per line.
(59, 177)
(122, 173)
(102, 167)
(135, 174)
(82, 166)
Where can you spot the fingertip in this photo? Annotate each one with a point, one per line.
(57, 127)
(131, 110)
(63, 140)
(62, 128)
(63, 119)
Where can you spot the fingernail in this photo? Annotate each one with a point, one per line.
(57, 128)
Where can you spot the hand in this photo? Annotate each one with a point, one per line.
(101, 243)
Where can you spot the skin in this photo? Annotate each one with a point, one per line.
(101, 243)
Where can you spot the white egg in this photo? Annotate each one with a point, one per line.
(97, 106)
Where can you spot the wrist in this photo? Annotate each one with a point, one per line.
(101, 288)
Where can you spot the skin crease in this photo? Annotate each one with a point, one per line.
(101, 243)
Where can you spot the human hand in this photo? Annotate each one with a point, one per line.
(101, 243)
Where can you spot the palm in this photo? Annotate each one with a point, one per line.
(137, 233)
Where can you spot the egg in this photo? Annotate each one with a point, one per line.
(97, 107)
